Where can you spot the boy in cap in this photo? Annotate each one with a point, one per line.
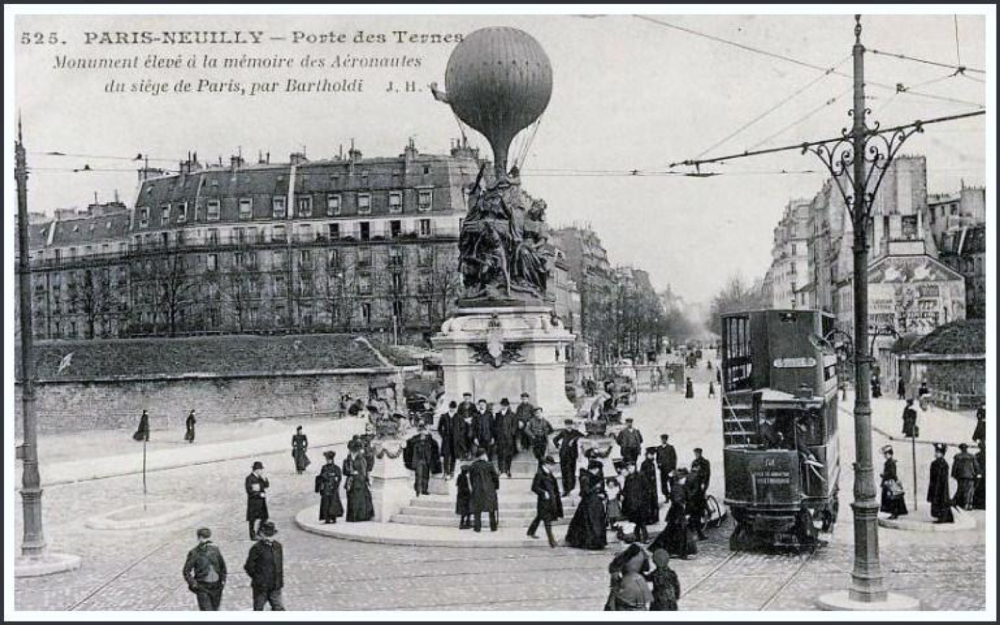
(524, 412)
(549, 506)
(538, 430)
(256, 486)
(265, 567)
(506, 426)
(205, 572)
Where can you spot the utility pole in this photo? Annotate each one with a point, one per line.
(33, 544)
(34, 559)
(858, 161)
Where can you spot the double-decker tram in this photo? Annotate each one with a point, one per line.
(779, 416)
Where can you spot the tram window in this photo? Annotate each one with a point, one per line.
(738, 363)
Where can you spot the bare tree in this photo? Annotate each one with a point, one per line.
(737, 295)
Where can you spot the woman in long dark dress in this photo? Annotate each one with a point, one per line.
(328, 487)
(676, 537)
(979, 495)
(893, 503)
(359, 494)
(299, 445)
(588, 529)
(649, 483)
(142, 432)
(939, 488)
(689, 389)
(189, 427)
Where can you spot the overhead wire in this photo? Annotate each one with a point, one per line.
(904, 57)
(784, 129)
(801, 63)
(773, 108)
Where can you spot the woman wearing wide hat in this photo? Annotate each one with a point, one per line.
(893, 495)
(328, 487)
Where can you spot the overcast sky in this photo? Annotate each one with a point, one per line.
(628, 94)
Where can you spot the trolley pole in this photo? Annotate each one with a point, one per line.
(866, 578)
(33, 543)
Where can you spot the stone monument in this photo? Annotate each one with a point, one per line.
(504, 338)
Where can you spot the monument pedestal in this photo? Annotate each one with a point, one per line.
(392, 483)
(497, 352)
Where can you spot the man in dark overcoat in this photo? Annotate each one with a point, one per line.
(979, 434)
(939, 487)
(462, 434)
(256, 486)
(266, 568)
(205, 572)
(666, 461)
(701, 469)
(482, 428)
(445, 429)
(538, 430)
(648, 472)
(630, 441)
(484, 481)
(422, 457)
(635, 505)
(910, 429)
(506, 426)
(549, 506)
(964, 469)
(567, 441)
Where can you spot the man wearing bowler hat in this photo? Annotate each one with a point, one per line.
(256, 486)
(265, 567)
(506, 425)
(205, 572)
(964, 469)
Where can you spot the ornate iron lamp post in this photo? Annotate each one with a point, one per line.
(858, 162)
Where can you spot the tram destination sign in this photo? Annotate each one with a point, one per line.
(804, 362)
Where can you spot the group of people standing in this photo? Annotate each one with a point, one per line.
(968, 471)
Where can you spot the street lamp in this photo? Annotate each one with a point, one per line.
(861, 158)
(34, 560)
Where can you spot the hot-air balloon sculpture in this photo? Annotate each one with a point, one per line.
(504, 338)
(499, 82)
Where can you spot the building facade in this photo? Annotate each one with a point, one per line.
(958, 225)
(346, 244)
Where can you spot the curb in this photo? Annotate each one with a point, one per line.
(963, 522)
(417, 536)
(48, 564)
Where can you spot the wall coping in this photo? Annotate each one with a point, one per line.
(927, 357)
(196, 375)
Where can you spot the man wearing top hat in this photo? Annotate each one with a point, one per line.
(666, 461)
(265, 567)
(256, 486)
(421, 456)
(549, 506)
(630, 441)
(964, 469)
(567, 441)
(505, 425)
(205, 572)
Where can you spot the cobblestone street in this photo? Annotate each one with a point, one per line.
(141, 570)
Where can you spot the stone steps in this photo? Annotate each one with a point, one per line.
(528, 501)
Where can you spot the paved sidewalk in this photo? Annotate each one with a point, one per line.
(232, 441)
(937, 425)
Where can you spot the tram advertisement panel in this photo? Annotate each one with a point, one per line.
(774, 478)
